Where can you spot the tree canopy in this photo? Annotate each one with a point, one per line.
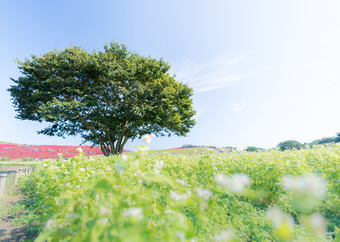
(326, 140)
(289, 145)
(107, 97)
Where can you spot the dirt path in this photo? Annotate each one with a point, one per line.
(9, 229)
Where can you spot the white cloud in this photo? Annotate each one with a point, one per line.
(211, 75)
(238, 107)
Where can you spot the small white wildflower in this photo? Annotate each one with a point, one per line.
(60, 154)
(278, 218)
(181, 217)
(181, 182)
(133, 212)
(68, 184)
(50, 224)
(203, 206)
(81, 169)
(71, 215)
(225, 235)
(180, 235)
(77, 186)
(205, 193)
(147, 138)
(108, 169)
(168, 211)
(79, 149)
(44, 164)
(307, 184)
(124, 157)
(236, 183)
(158, 166)
(316, 223)
(103, 210)
(103, 221)
(120, 168)
(177, 196)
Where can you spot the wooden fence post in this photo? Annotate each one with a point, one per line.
(16, 178)
(2, 183)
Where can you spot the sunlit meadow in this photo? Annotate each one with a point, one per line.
(259, 196)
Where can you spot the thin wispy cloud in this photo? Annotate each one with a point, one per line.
(238, 107)
(210, 76)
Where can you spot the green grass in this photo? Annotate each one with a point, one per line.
(186, 151)
(18, 163)
(152, 196)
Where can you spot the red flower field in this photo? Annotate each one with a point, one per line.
(15, 151)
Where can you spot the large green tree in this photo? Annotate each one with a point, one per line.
(289, 145)
(107, 97)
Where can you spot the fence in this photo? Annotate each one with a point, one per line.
(10, 178)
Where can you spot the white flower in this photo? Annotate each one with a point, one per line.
(178, 196)
(278, 218)
(103, 221)
(181, 217)
(203, 206)
(79, 149)
(103, 210)
(235, 183)
(307, 184)
(120, 168)
(168, 211)
(181, 182)
(133, 212)
(225, 235)
(135, 163)
(315, 222)
(158, 166)
(60, 154)
(124, 157)
(81, 169)
(205, 193)
(147, 138)
(77, 186)
(44, 164)
(180, 235)
(51, 224)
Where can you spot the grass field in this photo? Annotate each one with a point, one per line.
(18, 163)
(159, 196)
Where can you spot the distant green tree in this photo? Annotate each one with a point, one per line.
(337, 139)
(326, 140)
(253, 149)
(290, 144)
(106, 97)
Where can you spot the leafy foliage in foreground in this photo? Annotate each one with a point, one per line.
(177, 198)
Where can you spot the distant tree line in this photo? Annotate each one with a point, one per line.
(293, 144)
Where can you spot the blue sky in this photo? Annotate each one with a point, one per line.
(262, 71)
